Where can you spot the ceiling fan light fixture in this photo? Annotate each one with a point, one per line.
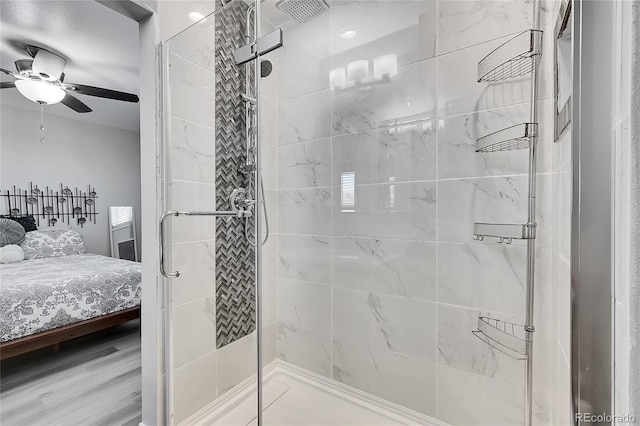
(47, 65)
(40, 92)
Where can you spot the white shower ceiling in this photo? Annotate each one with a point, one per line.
(101, 47)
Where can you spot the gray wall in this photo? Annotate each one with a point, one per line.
(75, 153)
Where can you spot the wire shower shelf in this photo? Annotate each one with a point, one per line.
(506, 337)
(511, 138)
(504, 232)
(517, 57)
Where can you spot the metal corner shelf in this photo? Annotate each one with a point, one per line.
(514, 58)
(517, 57)
(511, 138)
(506, 337)
(505, 232)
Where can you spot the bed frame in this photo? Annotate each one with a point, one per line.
(58, 335)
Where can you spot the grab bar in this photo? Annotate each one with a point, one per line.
(237, 213)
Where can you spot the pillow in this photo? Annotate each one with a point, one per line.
(11, 254)
(27, 222)
(52, 243)
(10, 232)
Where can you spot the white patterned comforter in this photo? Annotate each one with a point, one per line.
(42, 294)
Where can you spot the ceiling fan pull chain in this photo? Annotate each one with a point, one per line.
(42, 123)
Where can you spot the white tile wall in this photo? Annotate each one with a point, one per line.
(382, 294)
(406, 281)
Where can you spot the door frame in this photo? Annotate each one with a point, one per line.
(144, 12)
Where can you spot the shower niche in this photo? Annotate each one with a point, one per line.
(518, 57)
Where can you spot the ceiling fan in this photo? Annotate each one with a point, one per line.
(41, 80)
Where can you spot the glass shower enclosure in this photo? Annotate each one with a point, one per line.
(362, 145)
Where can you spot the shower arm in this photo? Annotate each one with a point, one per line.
(231, 213)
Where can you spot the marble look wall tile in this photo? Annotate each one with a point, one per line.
(192, 152)
(236, 362)
(194, 330)
(409, 95)
(192, 91)
(270, 258)
(306, 348)
(196, 43)
(492, 200)
(405, 29)
(269, 167)
(269, 343)
(457, 143)
(305, 164)
(306, 258)
(545, 368)
(305, 211)
(393, 154)
(399, 378)
(194, 386)
(400, 211)
(459, 348)
(304, 71)
(305, 305)
(269, 301)
(562, 151)
(271, 199)
(465, 23)
(458, 89)
(304, 118)
(387, 322)
(268, 122)
(545, 286)
(483, 275)
(401, 268)
(192, 196)
(196, 262)
(465, 398)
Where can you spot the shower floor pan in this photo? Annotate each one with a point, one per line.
(293, 396)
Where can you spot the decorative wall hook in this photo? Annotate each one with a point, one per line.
(51, 205)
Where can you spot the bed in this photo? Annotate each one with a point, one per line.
(45, 301)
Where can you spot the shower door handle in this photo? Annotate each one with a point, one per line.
(236, 213)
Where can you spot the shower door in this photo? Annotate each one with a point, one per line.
(209, 257)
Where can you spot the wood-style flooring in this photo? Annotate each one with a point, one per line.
(91, 380)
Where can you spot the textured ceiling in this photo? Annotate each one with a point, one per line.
(100, 45)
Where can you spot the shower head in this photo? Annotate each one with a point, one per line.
(303, 10)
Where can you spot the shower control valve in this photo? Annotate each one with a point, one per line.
(240, 202)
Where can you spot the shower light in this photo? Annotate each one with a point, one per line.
(357, 74)
(385, 65)
(195, 16)
(357, 70)
(40, 92)
(337, 78)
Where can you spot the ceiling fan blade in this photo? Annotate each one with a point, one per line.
(7, 84)
(75, 104)
(11, 73)
(101, 93)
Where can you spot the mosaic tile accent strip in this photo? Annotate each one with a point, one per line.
(235, 267)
